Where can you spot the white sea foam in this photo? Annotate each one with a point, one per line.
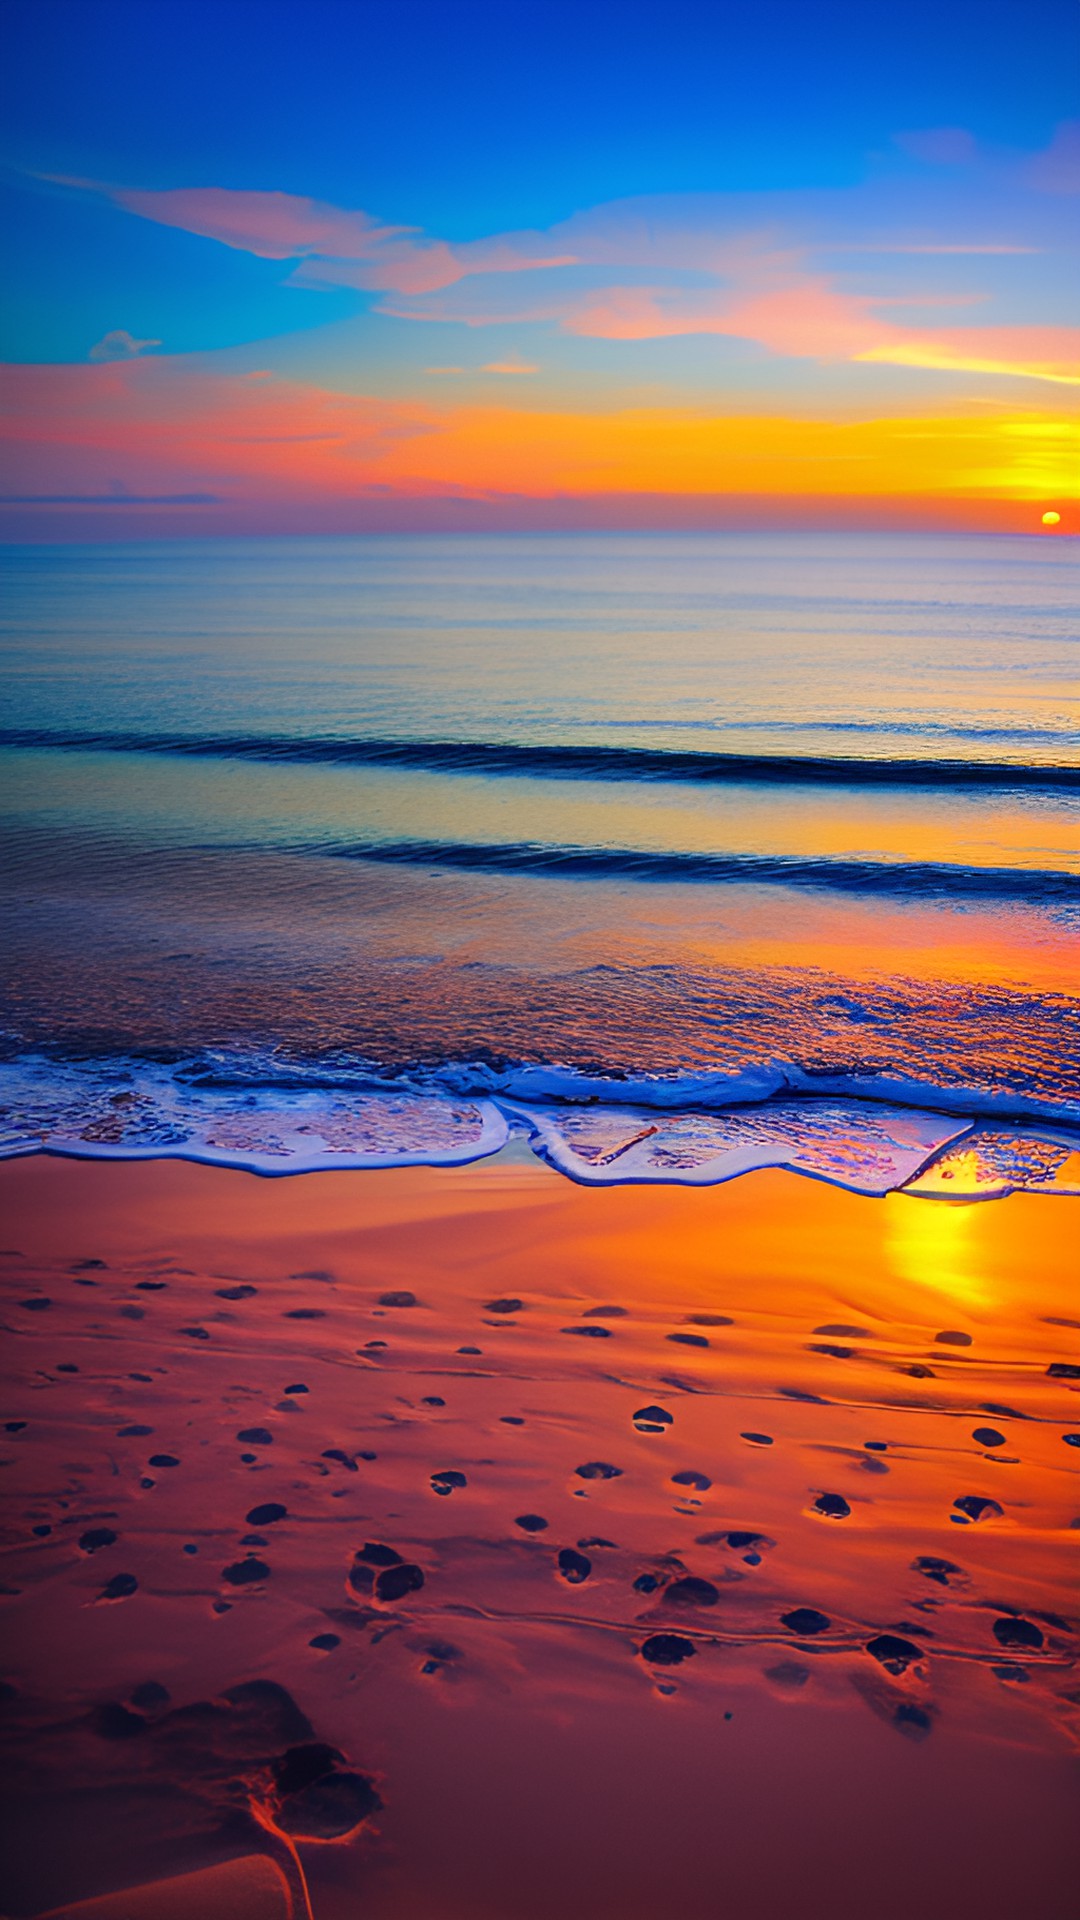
(866, 1147)
(255, 1113)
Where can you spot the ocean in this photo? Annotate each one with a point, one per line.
(664, 857)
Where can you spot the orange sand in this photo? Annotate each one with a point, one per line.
(528, 1758)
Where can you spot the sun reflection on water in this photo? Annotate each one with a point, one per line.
(933, 1246)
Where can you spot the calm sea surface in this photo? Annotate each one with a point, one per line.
(330, 850)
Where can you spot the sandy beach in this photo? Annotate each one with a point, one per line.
(434, 1544)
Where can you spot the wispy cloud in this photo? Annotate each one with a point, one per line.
(176, 434)
(120, 345)
(801, 275)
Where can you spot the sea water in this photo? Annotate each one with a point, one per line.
(675, 856)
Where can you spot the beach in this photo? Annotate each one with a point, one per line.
(638, 1548)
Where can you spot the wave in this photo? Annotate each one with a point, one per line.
(920, 879)
(567, 762)
(250, 1112)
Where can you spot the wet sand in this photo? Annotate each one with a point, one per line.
(466, 1545)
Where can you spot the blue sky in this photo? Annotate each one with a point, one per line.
(835, 210)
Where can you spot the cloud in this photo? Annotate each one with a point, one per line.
(818, 274)
(120, 345)
(175, 430)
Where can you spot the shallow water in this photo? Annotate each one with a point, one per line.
(638, 819)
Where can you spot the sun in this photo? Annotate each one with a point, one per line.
(1051, 519)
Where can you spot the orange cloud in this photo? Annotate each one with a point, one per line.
(166, 426)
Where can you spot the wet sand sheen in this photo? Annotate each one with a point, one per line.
(649, 1550)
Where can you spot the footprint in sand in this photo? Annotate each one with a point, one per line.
(446, 1481)
(667, 1649)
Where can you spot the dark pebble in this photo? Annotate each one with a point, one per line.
(325, 1642)
(1017, 1633)
(652, 1419)
(876, 1446)
(473, 1352)
(395, 1582)
(976, 1506)
(266, 1514)
(87, 1266)
(833, 1352)
(894, 1654)
(374, 1554)
(150, 1286)
(574, 1566)
(345, 1459)
(988, 1437)
(692, 1592)
(709, 1320)
(133, 1433)
(446, 1481)
(246, 1573)
(688, 1339)
(589, 1333)
(194, 1333)
(132, 1313)
(838, 1331)
(402, 1298)
(298, 1388)
(604, 1313)
(531, 1523)
(164, 1460)
(97, 1537)
(37, 1305)
(304, 1313)
(758, 1439)
(235, 1293)
(953, 1339)
(1061, 1370)
(1071, 1439)
(689, 1478)
(511, 1420)
(598, 1470)
(42, 1532)
(433, 1400)
(667, 1649)
(255, 1436)
(1019, 1674)
(646, 1583)
(832, 1505)
(66, 1366)
(806, 1620)
(504, 1306)
(120, 1587)
(14, 1426)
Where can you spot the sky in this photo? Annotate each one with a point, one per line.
(281, 268)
